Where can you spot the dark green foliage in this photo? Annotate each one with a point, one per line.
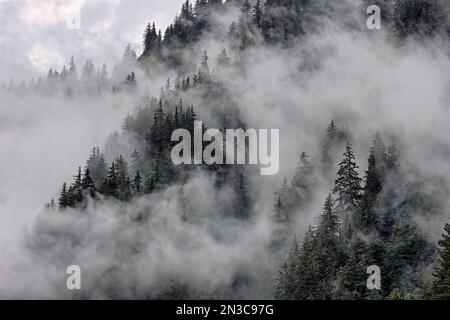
(335, 138)
(152, 40)
(441, 284)
(110, 184)
(284, 19)
(63, 198)
(378, 220)
(77, 191)
(88, 184)
(123, 180)
(311, 271)
(347, 187)
(407, 251)
(418, 18)
(287, 277)
(365, 218)
(378, 228)
(257, 14)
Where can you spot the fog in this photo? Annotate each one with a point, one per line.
(361, 79)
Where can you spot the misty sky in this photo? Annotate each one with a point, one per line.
(34, 35)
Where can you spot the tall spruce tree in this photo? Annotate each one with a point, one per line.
(347, 186)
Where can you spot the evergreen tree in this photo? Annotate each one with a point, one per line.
(407, 250)
(347, 189)
(307, 276)
(151, 39)
(72, 70)
(419, 18)
(318, 262)
(365, 218)
(287, 277)
(441, 283)
(203, 74)
(97, 166)
(329, 221)
(88, 184)
(76, 189)
(282, 210)
(110, 186)
(257, 14)
(352, 277)
(137, 163)
(330, 141)
(329, 255)
(63, 198)
(137, 183)
(392, 157)
(123, 180)
(347, 186)
(280, 214)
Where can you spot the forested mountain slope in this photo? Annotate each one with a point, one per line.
(364, 177)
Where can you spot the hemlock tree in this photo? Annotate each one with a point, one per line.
(441, 283)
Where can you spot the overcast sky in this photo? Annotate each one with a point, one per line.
(36, 35)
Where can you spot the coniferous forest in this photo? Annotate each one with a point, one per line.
(364, 175)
